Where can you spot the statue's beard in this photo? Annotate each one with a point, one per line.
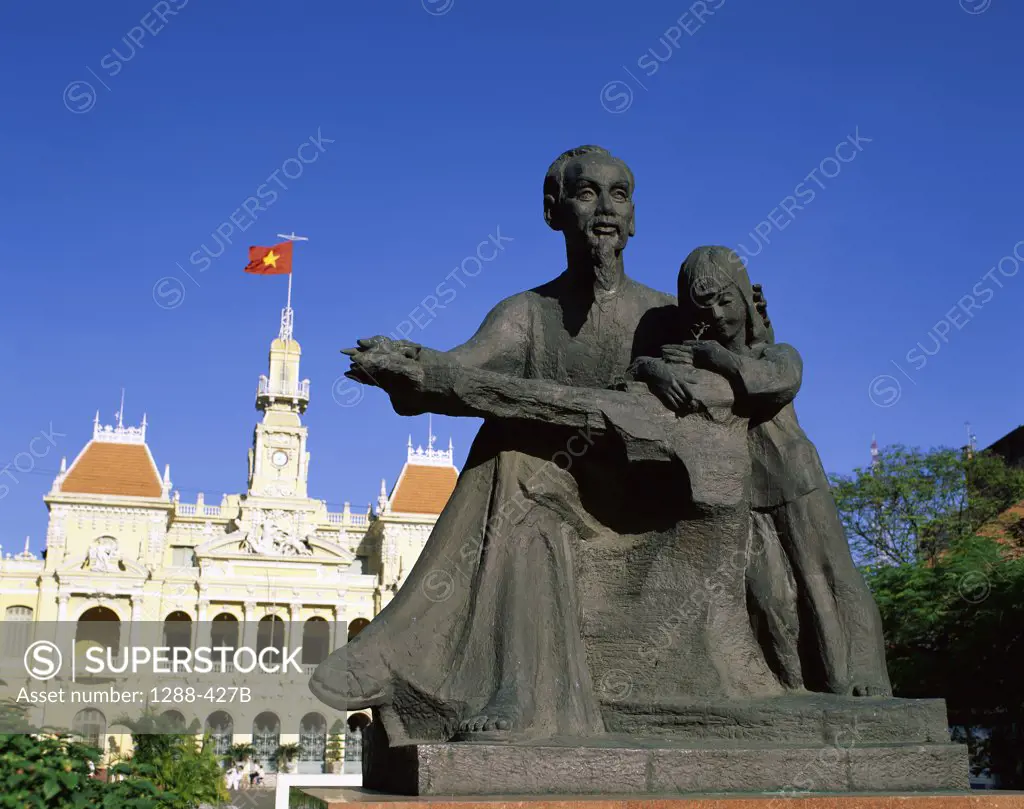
(604, 256)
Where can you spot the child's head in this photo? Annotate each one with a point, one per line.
(716, 300)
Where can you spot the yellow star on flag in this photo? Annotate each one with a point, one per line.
(270, 259)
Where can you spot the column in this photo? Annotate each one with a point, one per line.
(290, 631)
(135, 625)
(65, 630)
(249, 628)
(340, 627)
(202, 637)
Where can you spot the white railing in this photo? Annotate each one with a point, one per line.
(347, 518)
(197, 509)
(308, 668)
(298, 390)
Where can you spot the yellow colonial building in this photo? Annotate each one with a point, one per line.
(268, 566)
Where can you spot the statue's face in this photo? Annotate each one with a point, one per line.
(720, 307)
(597, 208)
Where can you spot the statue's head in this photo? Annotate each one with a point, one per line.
(717, 299)
(588, 196)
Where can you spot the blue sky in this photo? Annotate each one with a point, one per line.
(435, 122)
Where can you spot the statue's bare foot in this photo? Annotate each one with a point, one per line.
(485, 722)
(495, 721)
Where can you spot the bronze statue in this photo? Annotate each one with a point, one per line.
(642, 537)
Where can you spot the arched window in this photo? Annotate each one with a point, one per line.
(357, 626)
(224, 631)
(98, 626)
(172, 722)
(178, 631)
(266, 736)
(312, 743)
(90, 726)
(221, 728)
(357, 723)
(270, 633)
(315, 641)
(17, 631)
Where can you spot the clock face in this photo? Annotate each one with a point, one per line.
(279, 458)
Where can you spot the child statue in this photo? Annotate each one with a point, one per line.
(814, 615)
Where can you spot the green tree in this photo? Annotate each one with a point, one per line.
(240, 753)
(53, 772)
(952, 603)
(955, 629)
(286, 754)
(190, 769)
(913, 504)
(335, 751)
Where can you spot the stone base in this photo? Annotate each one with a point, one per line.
(343, 798)
(624, 767)
(799, 719)
(802, 743)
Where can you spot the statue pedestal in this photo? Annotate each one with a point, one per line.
(789, 745)
(363, 799)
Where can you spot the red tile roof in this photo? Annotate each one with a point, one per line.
(116, 469)
(423, 489)
(1006, 529)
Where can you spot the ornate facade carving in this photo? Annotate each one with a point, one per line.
(103, 557)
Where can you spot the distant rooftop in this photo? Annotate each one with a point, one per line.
(116, 462)
(1011, 447)
(426, 482)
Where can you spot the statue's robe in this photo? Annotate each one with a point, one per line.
(827, 635)
(569, 565)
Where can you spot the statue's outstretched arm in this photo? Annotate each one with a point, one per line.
(500, 344)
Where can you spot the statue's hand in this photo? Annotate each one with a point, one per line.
(707, 354)
(372, 353)
(403, 347)
(663, 383)
(681, 354)
(386, 368)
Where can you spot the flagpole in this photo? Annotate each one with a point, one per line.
(287, 316)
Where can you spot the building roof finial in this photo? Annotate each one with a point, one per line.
(26, 554)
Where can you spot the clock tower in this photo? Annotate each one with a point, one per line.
(278, 460)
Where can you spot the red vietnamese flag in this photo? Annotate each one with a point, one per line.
(276, 260)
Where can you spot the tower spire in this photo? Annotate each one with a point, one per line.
(288, 314)
(972, 441)
(874, 452)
